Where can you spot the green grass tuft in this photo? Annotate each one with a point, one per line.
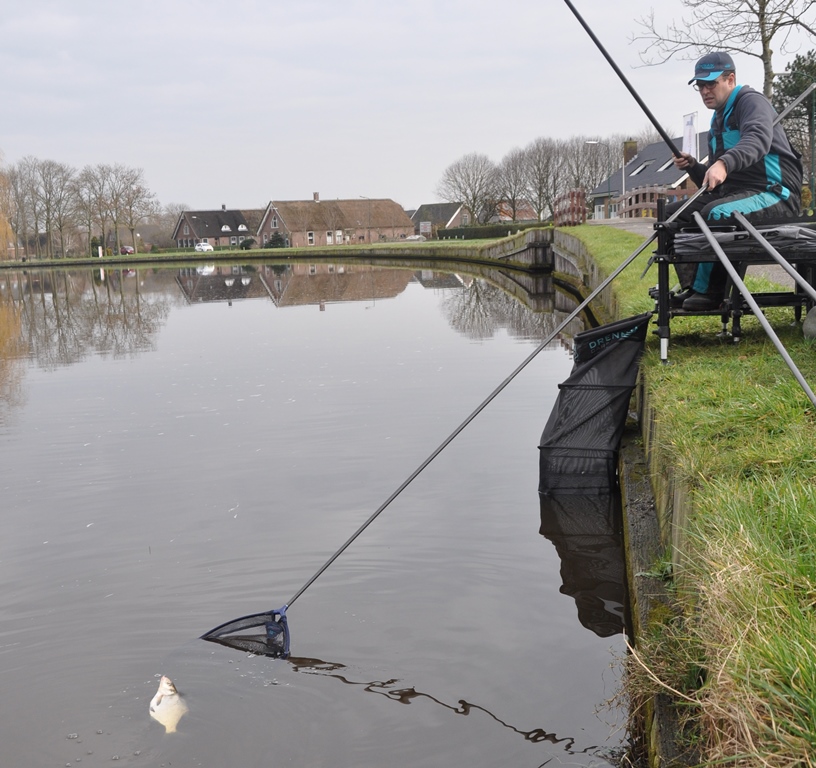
(732, 423)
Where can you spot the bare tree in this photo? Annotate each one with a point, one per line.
(7, 213)
(512, 180)
(746, 28)
(16, 209)
(165, 220)
(586, 164)
(544, 174)
(97, 178)
(646, 136)
(85, 208)
(120, 181)
(54, 193)
(471, 180)
(23, 179)
(138, 204)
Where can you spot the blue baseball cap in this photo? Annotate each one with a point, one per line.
(712, 65)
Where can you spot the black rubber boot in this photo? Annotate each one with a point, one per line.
(677, 299)
(701, 302)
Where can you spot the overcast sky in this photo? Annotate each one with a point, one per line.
(237, 102)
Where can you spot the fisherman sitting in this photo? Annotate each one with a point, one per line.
(752, 168)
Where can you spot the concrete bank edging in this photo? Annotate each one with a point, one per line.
(649, 598)
(656, 504)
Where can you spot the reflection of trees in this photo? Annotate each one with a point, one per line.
(481, 309)
(64, 316)
(12, 367)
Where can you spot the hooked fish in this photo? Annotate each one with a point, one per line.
(168, 706)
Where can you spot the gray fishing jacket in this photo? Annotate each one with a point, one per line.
(757, 154)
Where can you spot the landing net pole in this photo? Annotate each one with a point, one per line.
(563, 324)
(732, 273)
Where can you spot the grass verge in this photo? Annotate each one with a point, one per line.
(734, 426)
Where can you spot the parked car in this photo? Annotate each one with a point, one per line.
(416, 238)
(201, 247)
(126, 250)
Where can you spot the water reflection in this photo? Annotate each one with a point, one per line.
(393, 689)
(586, 532)
(12, 368)
(221, 460)
(66, 315)
(59, 317)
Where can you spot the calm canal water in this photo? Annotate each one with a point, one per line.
(180, 448)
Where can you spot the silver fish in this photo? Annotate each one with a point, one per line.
(168, 706)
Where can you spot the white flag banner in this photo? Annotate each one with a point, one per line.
(690, 134)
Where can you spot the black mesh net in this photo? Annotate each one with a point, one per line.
(579, 446)
(270, 638)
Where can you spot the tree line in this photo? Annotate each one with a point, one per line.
(535, 176)
(54, 210)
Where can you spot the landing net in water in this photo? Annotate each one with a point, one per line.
(270, 638)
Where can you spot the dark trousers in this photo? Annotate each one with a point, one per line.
(714, 207)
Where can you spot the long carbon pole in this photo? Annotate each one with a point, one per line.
(641, 103)
(444, 444)
(538, 349)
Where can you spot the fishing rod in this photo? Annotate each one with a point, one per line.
(675, 151)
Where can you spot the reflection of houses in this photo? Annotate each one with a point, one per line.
(322, 284)
(300, 223)
(292, 284)
(430, 279)
(218, 228)
(220, 284)
(431, 217)
(647, 175)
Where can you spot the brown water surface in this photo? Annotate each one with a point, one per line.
(182, 448)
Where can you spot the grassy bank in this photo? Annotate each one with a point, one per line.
(735, 428)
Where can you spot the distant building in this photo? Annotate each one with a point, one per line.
(303, 223)
(632, 190)
(222, 228)
(431, 217)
